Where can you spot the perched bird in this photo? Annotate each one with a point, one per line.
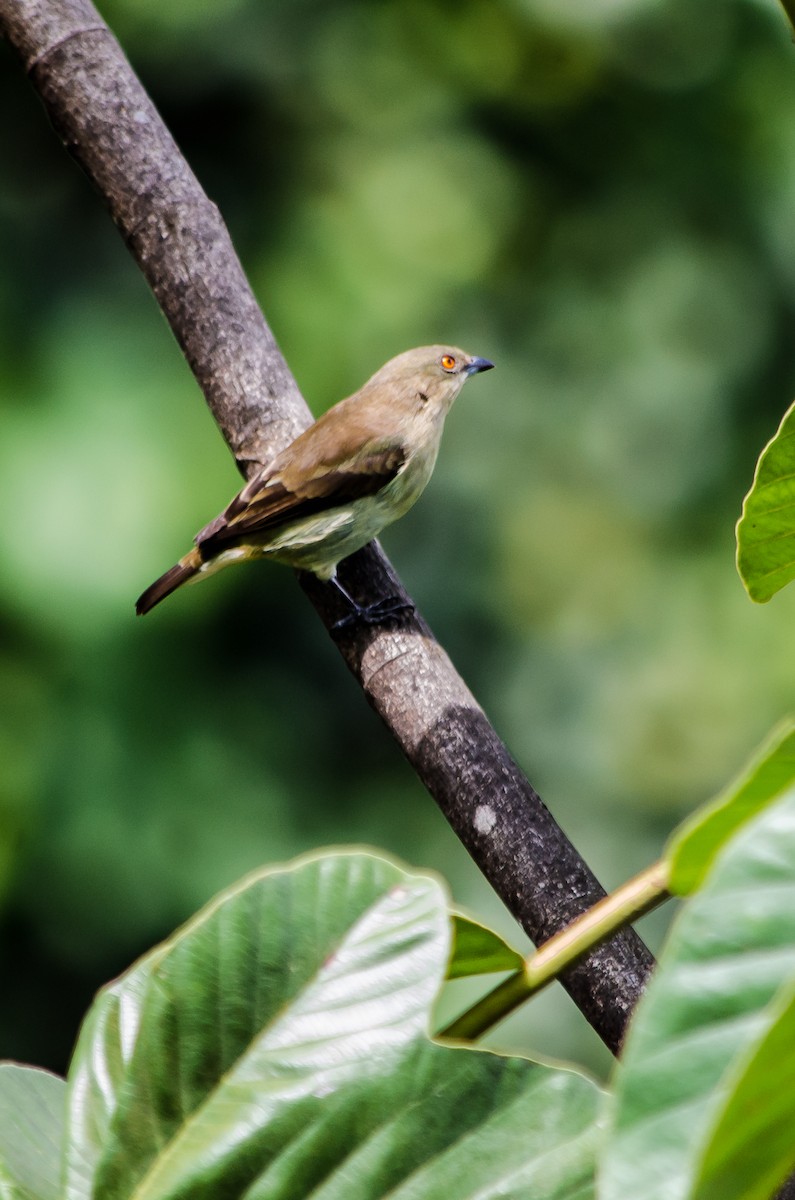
(358, 468)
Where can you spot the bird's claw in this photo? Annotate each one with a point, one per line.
(373, 614)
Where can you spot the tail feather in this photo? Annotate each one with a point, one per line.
(180, 573)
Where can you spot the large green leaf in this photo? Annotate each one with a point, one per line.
(766, 529)
(32, 1108)
(751, 1149)
(478, 950)
(99, 1068)
(693, 847)
(277, 1047)
(711, 1002)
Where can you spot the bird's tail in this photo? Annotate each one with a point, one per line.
(180, 573)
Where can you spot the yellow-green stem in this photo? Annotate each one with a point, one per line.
(635, 898)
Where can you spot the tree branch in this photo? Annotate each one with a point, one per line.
(175, 233)
(633, 899)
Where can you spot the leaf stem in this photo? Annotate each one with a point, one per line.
(634, 899)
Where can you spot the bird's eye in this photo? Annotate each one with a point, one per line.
(448, 362)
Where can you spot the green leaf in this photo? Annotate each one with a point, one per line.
(751, 1149)
(478, 950)
(107, 1040)
(766, 529)
(711, 1000)
(32, 1108)
(693, 847)
(277, 1046)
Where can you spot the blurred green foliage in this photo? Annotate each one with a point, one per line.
(599, 197)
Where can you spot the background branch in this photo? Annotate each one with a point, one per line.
(177, 237)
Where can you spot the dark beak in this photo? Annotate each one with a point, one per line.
(478, 364)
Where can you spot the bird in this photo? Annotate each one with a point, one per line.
(358, 468)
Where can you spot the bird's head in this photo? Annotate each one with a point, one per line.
(432, 375)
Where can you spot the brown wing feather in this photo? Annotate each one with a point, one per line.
(285, 493)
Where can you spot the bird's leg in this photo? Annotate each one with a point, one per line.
(353, 605)
(369, 614)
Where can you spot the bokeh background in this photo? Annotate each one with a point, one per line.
(598, 196)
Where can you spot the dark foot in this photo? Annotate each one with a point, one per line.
(373, 614)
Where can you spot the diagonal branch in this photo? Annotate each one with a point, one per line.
(179, 241)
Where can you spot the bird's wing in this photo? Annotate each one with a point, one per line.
(314, 474)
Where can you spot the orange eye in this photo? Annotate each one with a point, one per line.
(448, 362)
